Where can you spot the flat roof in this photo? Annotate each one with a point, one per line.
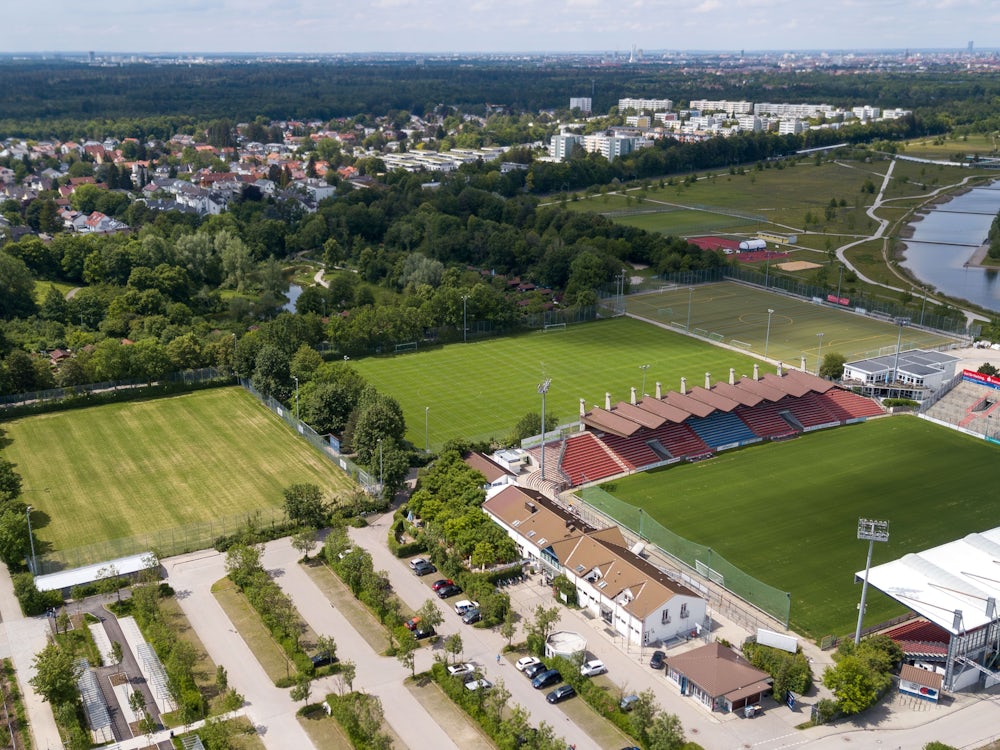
(935, 583)
(67, 579)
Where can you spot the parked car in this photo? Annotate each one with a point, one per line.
(447, 591)
(658, 660)
(472, 616)
(440, 583)
(424, 568)
(457, 669)
(321, 660)
(546, 678)
(418, 561)
(561, 693)
(628, 702)
(532, 671)
(592, 667)
(464, 605)
(480, 684)
(526, 661)
(423, 631)
(412, 623)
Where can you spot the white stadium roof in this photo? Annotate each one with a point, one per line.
(962, 575)
(67, 579)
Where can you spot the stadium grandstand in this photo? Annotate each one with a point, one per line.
(951, 590)
(695, 423)
(968, 403)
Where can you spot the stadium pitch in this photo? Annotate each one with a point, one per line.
(738, 314)
(123, 469)
(787, 512)
(479, 390)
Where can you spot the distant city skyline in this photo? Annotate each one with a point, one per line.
(484, 26)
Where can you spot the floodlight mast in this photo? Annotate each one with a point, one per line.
(543, 388)
(873, 531)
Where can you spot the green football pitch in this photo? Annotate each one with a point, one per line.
(479, 390)
(738, 315)
(128, 469)
(787, 512)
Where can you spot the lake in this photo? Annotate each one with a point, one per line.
(945, 239)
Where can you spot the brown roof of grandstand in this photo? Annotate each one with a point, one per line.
(638, 413)
(608, 421)
(760, 388)
(668, 411)
(745, 397)
(713, 398)
(691, 405)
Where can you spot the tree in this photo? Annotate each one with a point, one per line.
(304, 504)
(302, 688)
(116, 653)
(56, 674)
(430, 614)
(853, 684)
(137, 703)
(326, 646)
(15, 545)
(453, 646)
(543, 622)
(833, 366)
(665, 733)
(406, 646)
(509, 628)
(531, 424)
(643, 714)
(348, 671)
(304, 541)
(10, 481)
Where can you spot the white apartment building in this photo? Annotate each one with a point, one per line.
(895, 114)
(611, 146)
(792, 110)
(750, 123)
(866, 113)
(732, 109)
(582, 103)
(644, 105)
(562, 145)
(790, 127)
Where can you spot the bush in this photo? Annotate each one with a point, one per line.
(33, 602)
(790, 672)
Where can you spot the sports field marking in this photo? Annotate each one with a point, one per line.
(754, 318)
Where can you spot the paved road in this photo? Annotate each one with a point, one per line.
(269, 708)
(377, 675)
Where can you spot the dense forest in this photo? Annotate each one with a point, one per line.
(61, 99)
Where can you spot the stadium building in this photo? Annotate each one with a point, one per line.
(953, 588)
(693, 424)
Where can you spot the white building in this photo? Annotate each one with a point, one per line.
(917, 372)
(562, 145)
(632, 596)
(723, 105)
(581, 103)
(645, 105)
(612, 146)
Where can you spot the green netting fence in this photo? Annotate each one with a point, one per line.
(704, 561)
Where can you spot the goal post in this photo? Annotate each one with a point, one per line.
(409, 346)
(554, 327)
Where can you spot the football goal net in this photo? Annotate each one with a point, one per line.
(409, 346)
(549, 327)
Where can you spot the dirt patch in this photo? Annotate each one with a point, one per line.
(797, 265)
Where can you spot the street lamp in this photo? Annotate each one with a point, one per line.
(902, 323)
(381, 472)
(296, 397)
(690, 297)
(767, 336)
(465, 318)
(543, 388)
(31, 538)
(427, 430)
(840, 280)
(873, 531)
(819, 353)
(642, 393)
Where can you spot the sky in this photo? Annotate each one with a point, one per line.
(436, 26)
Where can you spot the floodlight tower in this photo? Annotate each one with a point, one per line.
(902, 323)
(873, 531)
(543, 388)
(767, 336)
(642, 393)
(819, 354)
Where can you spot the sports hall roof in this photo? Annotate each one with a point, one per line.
(962, 576)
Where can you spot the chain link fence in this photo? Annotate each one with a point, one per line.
(702, 563)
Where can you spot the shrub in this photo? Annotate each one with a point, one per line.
(790, 672)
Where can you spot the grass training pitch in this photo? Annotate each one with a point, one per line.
(480, 389)
(787, 512)
(739, 314)
(123, 469)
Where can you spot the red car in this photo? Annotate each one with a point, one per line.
(441, 583)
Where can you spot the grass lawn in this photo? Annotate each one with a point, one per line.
(739, 314)
(480, 389)
(787, 512)
(42, 288)
(142, 467)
